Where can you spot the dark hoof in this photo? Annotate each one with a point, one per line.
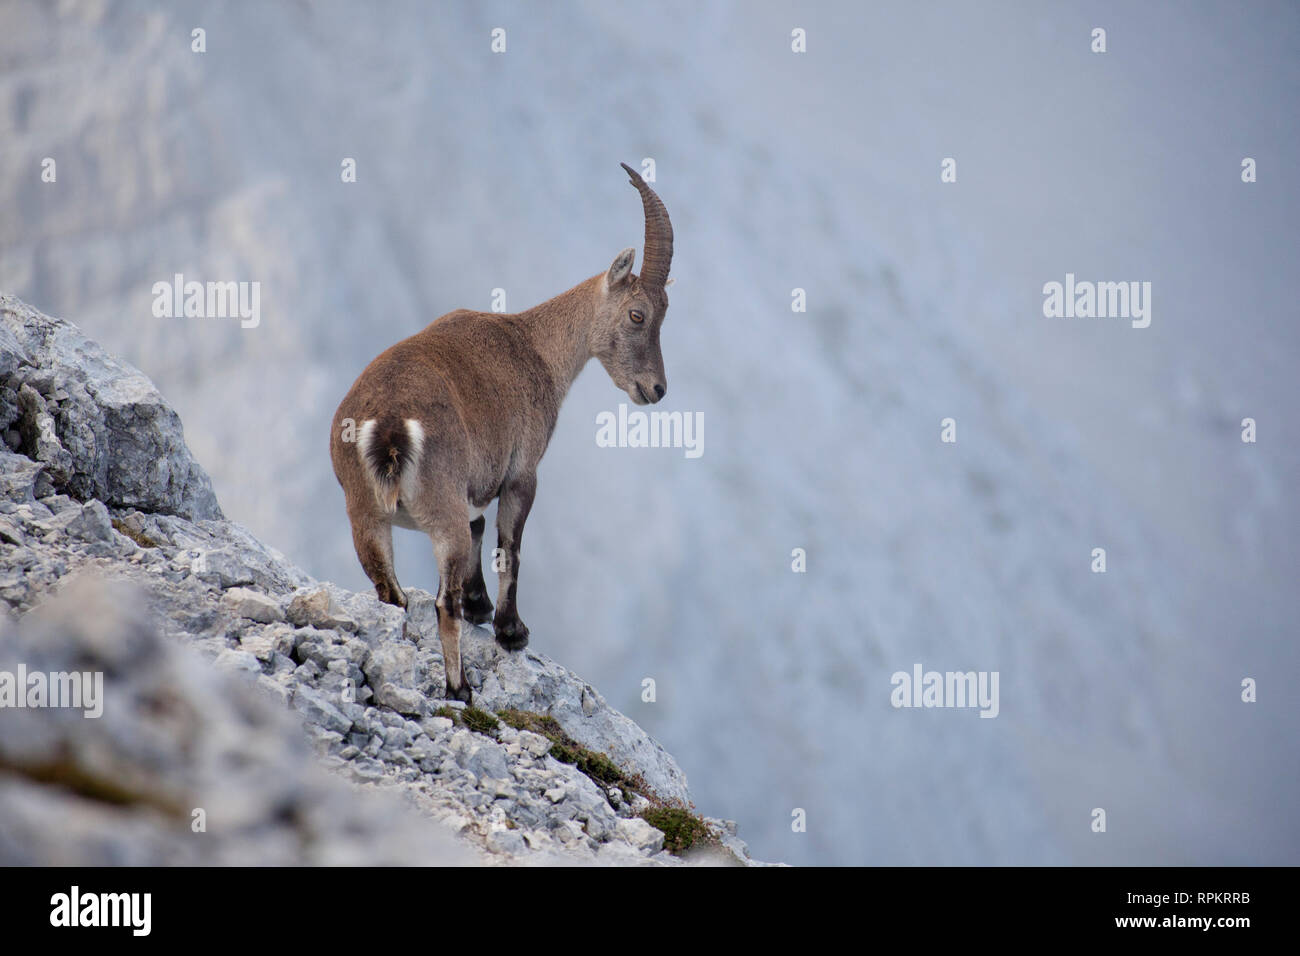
(462, 694)
(477, 608)
(511, 633)
(387, 596)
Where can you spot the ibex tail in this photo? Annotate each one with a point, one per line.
(390, 448)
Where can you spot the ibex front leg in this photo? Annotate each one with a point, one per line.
(512, 511)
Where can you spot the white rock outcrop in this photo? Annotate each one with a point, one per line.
(115, 558)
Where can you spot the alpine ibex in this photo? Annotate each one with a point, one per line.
(461, 413)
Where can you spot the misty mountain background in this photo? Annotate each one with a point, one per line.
(817, 171)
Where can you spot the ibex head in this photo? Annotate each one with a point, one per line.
(625, 334)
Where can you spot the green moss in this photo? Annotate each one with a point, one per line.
(479, 721)
(514, 718)
(600, 768)
(682, 829)
(563, 747)
(543, 724)
(563, 753)
(595, 765)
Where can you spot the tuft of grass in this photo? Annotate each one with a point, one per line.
(139, 537)
(479, 721)
(565, 749)
(600, 768)
(448, 712)
(543, 724)
(682, 829)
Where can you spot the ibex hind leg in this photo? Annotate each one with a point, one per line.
(373, 539)
(451, 545)
(477, 604)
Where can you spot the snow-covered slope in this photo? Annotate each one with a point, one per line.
(479, 171)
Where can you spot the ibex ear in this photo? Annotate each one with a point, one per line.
(621, 268)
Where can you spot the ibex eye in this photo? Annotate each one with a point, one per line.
(636, 315)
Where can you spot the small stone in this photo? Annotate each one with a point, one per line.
(90, 523)
(481, 757)
(278, 691)
(307, 672)
(320, 711)
(508, 841)
(253, 605)
(640, 834)
(637, 803)
(401, 699)
(457, 822)
(601, 826)
(569, 833)
(391, 663)
(222, 567)
(617, 853)
(260, 645)
(365, 769)
(239, 661)
(11, 533)
(318, 609)
(433, 726)
(539, 840)
(60, 503)
(326, 740)
(534, 745)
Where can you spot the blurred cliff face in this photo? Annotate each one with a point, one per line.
(478, 171)
(159, 740)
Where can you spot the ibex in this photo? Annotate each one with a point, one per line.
(461, 413)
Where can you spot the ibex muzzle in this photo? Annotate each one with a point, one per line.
(461, 413)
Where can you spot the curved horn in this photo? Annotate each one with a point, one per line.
(658, 255)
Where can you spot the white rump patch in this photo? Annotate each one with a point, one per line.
(410, 474)
(365, 436)
(416, 432)
(386, 497)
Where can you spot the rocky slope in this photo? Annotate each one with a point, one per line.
(115, 557)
